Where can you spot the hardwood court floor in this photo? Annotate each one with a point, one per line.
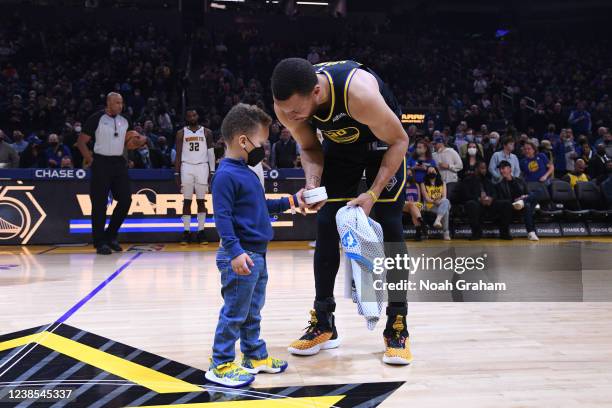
(512, 354)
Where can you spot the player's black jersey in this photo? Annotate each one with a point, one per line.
(337, 125)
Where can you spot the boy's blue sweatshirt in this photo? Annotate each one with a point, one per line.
(242, 212)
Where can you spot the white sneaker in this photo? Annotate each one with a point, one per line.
(446, 236)
(438, 223)
(532, 236)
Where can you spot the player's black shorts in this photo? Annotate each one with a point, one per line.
(344, 167)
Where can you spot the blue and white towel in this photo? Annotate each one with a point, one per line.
(362, 241)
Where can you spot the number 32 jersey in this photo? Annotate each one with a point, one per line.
(195, 150)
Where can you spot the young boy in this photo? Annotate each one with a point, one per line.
(242, 217)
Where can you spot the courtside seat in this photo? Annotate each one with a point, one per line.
(548, 210)
(561, 193)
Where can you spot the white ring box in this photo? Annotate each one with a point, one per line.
(315, 195)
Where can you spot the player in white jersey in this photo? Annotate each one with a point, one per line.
(195, 160)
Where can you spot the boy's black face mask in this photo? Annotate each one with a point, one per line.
(255, 156)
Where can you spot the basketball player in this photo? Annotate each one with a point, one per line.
(195, 160)
(359, 119)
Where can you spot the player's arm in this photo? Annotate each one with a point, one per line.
(210, 149)
(366, 105)
(312, 152)
(88, 134)
(179, 152)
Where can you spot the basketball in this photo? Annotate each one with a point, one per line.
(134, 140)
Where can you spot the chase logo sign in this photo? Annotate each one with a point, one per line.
(20, 213)
(60, 174)
(343, 136)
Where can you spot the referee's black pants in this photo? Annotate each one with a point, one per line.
(108, 174)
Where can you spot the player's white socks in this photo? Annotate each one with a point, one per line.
(201, 221)
(186, 222)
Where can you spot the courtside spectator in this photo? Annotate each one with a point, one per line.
(448, 161)
(478, 195)
(580, 120)
(470, 162)
(284, 152)
(433, 191)
(578, 175)
(55, 151)
(9, 158)
(514, 190)
(146, 157)
(414, 204)
(168, 154)
(535, 166)
(507, 155)
(18, 143)
(597, 164)
(420, 160)
(66, 163)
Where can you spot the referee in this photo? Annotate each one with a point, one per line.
(109, 171)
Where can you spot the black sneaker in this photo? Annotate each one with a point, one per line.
(318, 336)
(201, 238)
(114, 245)
(104, 249)
(186, 239)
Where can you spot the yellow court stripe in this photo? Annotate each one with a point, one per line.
(305, 402)
(136, 373)
(21, 341)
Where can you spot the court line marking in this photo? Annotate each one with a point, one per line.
(69, 313)
(46, 250)
(111, 364)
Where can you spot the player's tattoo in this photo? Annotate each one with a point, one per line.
(313, 181)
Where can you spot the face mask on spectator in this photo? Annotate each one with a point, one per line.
(493, 141)
(77, 129)
(478, 139)
(469, 138)
(472, 151)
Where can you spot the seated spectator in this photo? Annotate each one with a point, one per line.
(507, 155)
(146, 158)
(420, 160)
(580, 119)
(55, 151)
(514, 190)
(569, 148)
(434, 197)
(535, 166)
(546, 148)
(33, 156)
(148, 131)
(414, 205)
(478, 195)
(578, 175)
(284, 152)
(489, 145)
(9, 158)
(471, 161)
(266, 162)
(448, 161)
(66, 163)
(597, 164)
(168, 154)
(18, 143)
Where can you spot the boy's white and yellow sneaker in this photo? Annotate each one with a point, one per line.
(229, 375)
(269, 365)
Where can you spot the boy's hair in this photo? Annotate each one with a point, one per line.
(291, 76)
(243, 119)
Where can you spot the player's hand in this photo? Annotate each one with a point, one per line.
(241, 263)
(301, 203)
(315, 206)
(87, 161)
(365, 201)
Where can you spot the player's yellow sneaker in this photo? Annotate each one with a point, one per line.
(397, 343)
(319, 336)
(269, 365)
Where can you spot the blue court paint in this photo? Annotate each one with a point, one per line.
(93, 293)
